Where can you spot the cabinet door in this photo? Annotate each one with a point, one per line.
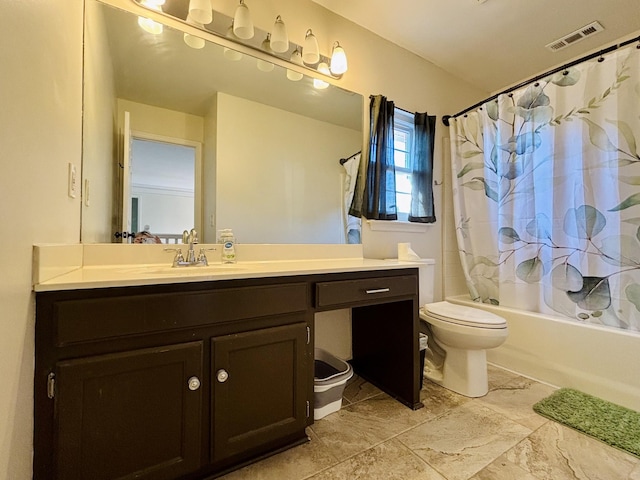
(258, 388)
(129, 415)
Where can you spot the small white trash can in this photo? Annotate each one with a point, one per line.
(329, 379)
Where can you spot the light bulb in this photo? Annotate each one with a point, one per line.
(279, 36)
(310, 51)
(321, 84)
(147, 24)
(338, 60)
(242, 23)
(200, 11)
(263, 65)
(296, 57)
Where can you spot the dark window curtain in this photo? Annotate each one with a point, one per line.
(422, 209)
(375, 195)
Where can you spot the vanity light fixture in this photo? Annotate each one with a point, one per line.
(243, 25)
(338, 59)
(279, 36)
(310, 50)
(263, 65)
(243, 33)
(296, 58)
(147, 24)
(201, 11)
(192, 40)
(230, 53)
(321, 84)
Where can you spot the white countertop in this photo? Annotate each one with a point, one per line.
(78, 266)
(156, 274)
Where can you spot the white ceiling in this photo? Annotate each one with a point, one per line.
(494, 44)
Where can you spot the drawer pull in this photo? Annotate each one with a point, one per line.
(378, 290)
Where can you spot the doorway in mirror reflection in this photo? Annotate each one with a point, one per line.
(162, 186)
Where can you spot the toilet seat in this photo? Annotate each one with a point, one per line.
(467, 316)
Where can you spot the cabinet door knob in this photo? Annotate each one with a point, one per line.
(194, 383)
(222, 375)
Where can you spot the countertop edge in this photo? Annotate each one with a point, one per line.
(135, 275)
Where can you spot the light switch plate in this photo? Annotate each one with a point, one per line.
(72, 182)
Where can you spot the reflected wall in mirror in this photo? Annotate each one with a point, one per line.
(269, 147)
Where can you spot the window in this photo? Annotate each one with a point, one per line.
(399, 168)
(402, 144)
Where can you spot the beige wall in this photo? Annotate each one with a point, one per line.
(209, 170)
(161, 121)
(99, 120)
(40, 132)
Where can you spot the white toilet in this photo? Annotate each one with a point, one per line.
(458, 339)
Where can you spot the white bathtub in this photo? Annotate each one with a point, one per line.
(601, 361)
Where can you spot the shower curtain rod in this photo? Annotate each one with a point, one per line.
(445, 118)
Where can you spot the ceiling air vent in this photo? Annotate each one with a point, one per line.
(574, 37)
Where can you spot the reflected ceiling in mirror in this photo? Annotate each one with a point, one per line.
(162, 70)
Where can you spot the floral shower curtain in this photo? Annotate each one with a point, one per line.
(547, 194)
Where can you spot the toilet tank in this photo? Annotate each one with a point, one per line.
(426, 280)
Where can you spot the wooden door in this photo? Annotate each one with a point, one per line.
(259, 388)
(129, 415)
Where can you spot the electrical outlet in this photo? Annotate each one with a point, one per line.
(212, 220)
(72, 184)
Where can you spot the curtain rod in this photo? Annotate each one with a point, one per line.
(445, 119)
(395, 106)
(345, 160)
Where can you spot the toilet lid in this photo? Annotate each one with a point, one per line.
(461, 315)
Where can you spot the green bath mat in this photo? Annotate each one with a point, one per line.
(613, 424)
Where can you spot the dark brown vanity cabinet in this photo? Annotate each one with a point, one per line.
(135, 414)
(191, 380)
(259, 392)
(168, 382)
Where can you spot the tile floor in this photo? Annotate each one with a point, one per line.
(496, 437)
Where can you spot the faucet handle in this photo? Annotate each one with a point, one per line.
(202, 257)
(178, 258)
(193, 236)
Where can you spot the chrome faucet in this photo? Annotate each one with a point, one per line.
(190, 238)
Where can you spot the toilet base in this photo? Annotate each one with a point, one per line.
(464, 372)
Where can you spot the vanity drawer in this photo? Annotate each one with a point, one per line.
(88, 319)
(343, 292)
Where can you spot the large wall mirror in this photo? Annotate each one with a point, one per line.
(180, 132)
